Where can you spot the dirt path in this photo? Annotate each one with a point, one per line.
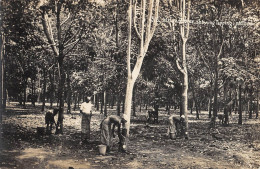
(226, 147)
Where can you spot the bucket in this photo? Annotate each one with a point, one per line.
(41, 130)
(172, 136)
(102, 149)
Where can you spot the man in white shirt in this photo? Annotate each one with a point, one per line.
(86, 111)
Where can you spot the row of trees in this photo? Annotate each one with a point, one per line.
(140, 52)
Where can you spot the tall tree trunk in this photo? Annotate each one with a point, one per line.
(145, 37)
(44, 89)
(191, 105)
(112, 101)
(226, 105)
(97, 102)
(240, 105)
(184, 31)
(134, 102)
(215, 103)
(2, 110)
(102, 103)
(257, 102)
(61, 96)
(210, 100)
(196, 102)
(251, 101)
(105, 103)
(128, 101)
(118, 103)
(141, 100)
(75, 101)
(69, 94)
(123, 106)
(51, 75)
(24, 92)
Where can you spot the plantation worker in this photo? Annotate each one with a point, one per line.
(86, 111)
(107, 127)
(176, 126)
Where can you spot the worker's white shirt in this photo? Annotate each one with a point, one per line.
(86, 108)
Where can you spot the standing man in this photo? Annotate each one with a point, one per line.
(86, 111)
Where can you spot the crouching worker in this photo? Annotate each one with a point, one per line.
(176, 126)
(107, 127)
(86, 111)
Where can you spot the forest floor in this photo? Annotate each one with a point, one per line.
(234, 146)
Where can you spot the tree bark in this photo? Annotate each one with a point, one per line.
(210, 100)
(1, 79)
(240, 105)
(105, 103)
(97, 102)
(24, 92)
(184, 94)
(118, 103)
(251, 101)
(61, 95)
(134, 102)
(44, 89)
(257, 102)
(69, 94)
(145, 37)
(52, 88)
(75, 101)
(226, 105)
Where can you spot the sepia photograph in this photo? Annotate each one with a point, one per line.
(129, 84)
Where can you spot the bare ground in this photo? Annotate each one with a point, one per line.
(234, 146)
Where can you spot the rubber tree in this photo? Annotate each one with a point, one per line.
(1, 78)
(145, 27)
(60, 39)
(182, 65)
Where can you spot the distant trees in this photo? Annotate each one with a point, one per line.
(62, 50)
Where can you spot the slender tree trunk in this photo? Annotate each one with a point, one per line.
(105, 103)
(94, 100)
(191, 105)
(196, 102)
(24, 92)
(97, 102)
(112, 101)
(134, 102)
(145, 36)
(147, 102)
(197, 110)
(225, 106)
(69, 94)
(44, 89)
(118, 103)
(141, 100)
(79, 99)
(215, 103)
(75, 101)
(169, 105)
(128, 101)
(210, 100)
(251, 102)
(257, 102)
(2, 110)
(61, 95)
(123, 106)
(102, 103)
(240, 105)
(51, 72)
